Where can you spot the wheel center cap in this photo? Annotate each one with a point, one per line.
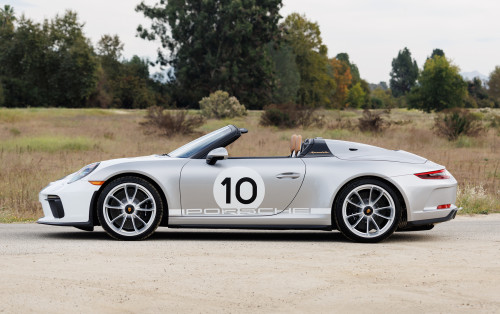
(129, 209)
(368, 210)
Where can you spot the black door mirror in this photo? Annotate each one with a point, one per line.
(216, 154)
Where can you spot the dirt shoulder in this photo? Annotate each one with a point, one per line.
(453, 268)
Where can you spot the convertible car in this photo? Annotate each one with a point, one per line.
(366, 192)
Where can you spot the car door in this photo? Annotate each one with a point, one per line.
(240, 186)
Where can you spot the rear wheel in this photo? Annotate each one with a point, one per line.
(130, 208)
(367, 210)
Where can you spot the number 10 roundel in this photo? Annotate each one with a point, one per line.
(238, 188)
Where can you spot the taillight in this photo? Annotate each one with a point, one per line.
(445, 206)
(438, 174)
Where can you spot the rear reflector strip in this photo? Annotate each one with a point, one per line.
(444, 206)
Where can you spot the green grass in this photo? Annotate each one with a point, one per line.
(11, 115)
(475, 200)
(6, 217)
(49, 144)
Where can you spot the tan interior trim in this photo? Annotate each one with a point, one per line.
(298, 144)
(293, 142)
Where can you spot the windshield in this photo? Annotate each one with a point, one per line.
(201, 143)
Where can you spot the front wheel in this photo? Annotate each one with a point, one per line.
(130, 208)
(367, 210)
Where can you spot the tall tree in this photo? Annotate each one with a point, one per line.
(215, 45)
(287, 76)
(316, 80)
(356, 97)
(343, 78)
(344, 57)
(437, 52)
(404, 73)
(494, 84)
(7, 18)
(477, 94)
(440, 86)
(110, 46)
(49, 64)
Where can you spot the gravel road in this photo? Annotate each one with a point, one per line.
(453, 268)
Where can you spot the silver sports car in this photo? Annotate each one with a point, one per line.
(364, 191)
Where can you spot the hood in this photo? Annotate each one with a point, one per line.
(111, 162)
(361, 152)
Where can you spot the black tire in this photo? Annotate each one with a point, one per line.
(362, 215)
(133, 215)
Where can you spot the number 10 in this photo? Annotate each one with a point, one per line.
(227, 183)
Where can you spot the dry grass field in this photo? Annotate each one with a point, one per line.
(41, 145)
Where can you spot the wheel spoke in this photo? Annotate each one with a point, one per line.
(357, 223)
(123, 223)
(382, 216)
(113, 207)
(142, 202)
(348, 201)
(126, 193)
(352, 215)
(112, 196)
(135, 193)
(133, 224)
(370, 196)
(117, 217)
(140, 219)
(378, 198)
(356, 193)
(375, 223)
(145, 209)
(382, 208)
(368, 225)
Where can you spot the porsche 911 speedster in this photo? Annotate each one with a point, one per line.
(366, 192)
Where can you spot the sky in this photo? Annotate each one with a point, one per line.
(370, 31)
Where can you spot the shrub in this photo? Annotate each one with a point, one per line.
(219, 105)
(340, 123)
(475, 200)
(171, 122)
(372, 122)
(494, 122)
(456, 122)
(290, 116)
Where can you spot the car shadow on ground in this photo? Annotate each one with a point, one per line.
(238, 235)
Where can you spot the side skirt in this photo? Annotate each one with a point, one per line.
(255, 227)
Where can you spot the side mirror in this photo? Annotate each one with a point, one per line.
(216, 154)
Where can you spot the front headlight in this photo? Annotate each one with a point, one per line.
(85, 171)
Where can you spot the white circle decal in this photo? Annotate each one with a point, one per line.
(238, 188)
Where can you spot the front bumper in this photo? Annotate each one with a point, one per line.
(75, 199)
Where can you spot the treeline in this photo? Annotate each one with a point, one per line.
(439, 85)
(245, 48)
(53, 64)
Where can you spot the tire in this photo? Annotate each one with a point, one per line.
(367, 210)
(130, 208)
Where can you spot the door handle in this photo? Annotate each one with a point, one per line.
(288, 175)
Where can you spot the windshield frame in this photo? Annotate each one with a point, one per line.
(200, 147)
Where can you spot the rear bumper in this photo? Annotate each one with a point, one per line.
(432, 221)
